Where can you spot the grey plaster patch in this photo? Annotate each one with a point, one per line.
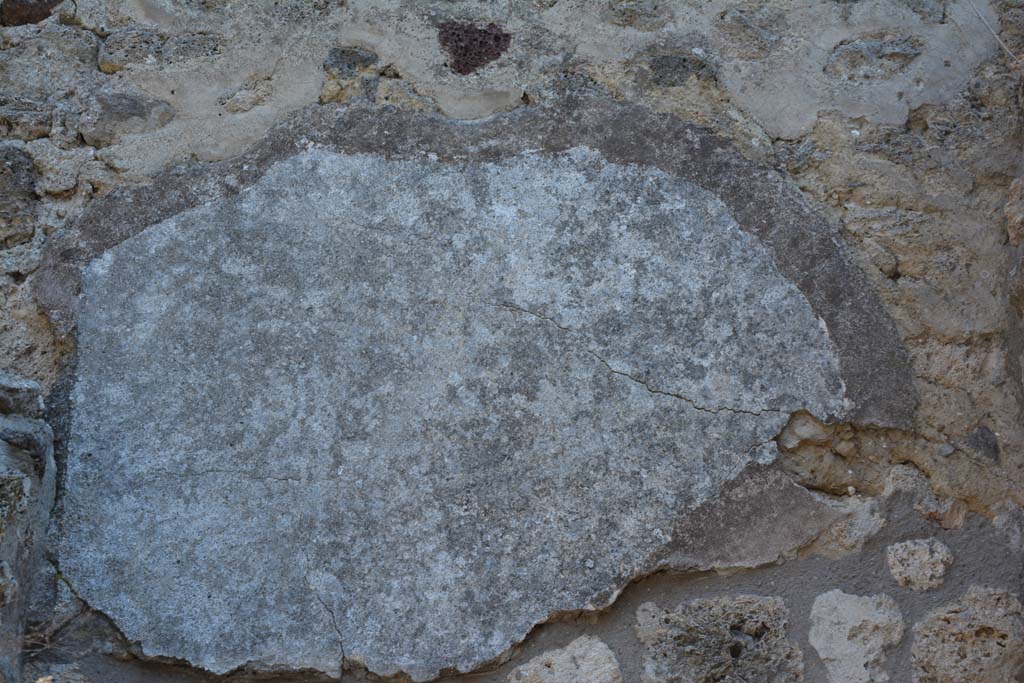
(404, 382)
(803, 244)
(870, 59)
(778, 517)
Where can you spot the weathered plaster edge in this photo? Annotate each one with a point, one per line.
(805, 246)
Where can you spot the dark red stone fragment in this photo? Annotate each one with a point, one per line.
(18, 12)
(470, 47)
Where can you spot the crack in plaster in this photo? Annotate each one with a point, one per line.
(645, 384)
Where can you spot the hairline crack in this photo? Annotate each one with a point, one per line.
(646, 385)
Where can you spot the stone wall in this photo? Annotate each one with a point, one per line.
(534, 341)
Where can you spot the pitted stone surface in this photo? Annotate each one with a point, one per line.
(919, 564)
(727, 639)
(976, 639)
(406, 409)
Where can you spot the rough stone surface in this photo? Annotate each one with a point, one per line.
(877, 55)
(1014, 211)
(26, 339)
(584, 659)
(20, 396)
(22, 119)
(862, 520)
(675, 69)
(769, 503)
(27, 489)
(113, 115)
(977, 639)
(853, 634)
(919, 564)
(18, 202)
(872, 147)
(350, 74)
(129, 48)
(521, 321)
(731, 639)
(58, 169)
(346, 62)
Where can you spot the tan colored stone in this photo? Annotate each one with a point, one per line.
(586, 659)
(805, 429)
(853, 633)
(251, 94)
(978, 639)
(850, 533)
(919, 564)
(28, 345)
(399, 93)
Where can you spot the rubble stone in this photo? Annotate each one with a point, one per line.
(919, 564)
(584, 659)
(977, 639)
(853, 635)
(735, 639)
